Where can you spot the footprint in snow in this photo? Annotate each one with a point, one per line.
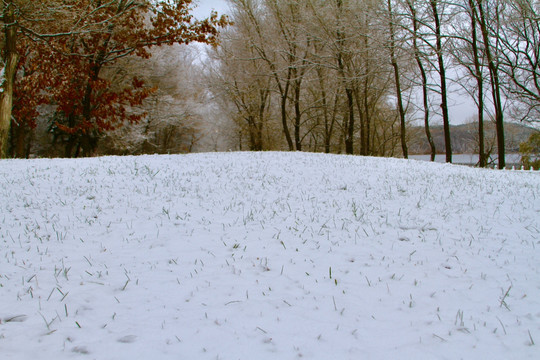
(127, 339)
(80, 350)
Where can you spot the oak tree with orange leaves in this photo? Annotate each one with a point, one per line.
(23, 23)
(66, 60)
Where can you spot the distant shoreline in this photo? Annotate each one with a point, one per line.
(469, 159)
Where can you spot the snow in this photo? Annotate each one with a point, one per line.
(267, 256)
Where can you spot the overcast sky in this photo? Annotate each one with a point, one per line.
(204, 7)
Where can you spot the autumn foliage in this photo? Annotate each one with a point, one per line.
(72, 71)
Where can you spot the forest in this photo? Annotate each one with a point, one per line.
(367, 77)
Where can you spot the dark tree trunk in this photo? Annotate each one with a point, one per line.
(11, 60)
(397, 79)
(480, 83)
(88, 135)
(253, 136)
(21, 140)
(284, 96)
(365, 120)
(260, 124)
(69, 145)
(297, 113)
(423, 75)
(349, 120)
(442, 75)
(361, 119)
(495, 85)
(403, 135)
(328, 126)
(349, 136)
(367, 115)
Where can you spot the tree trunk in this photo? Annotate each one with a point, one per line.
(367, 115)
(349, 120)
(20, 140)
(365, 120)
(442, 75)
(361, 119)
(327, 126)
(495, 86)
(403, 135)
(424, 81)
(263, 97)
(395, 65)
(11, 59)
(297, 113)
(252, 129)
(480, 83)
(349, 135)
(284, 96)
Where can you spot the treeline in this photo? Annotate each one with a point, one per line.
(74, 71)
(91, 77)
(351, 76)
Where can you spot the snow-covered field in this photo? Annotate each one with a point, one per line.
(267, 256)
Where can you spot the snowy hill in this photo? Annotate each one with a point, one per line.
(267, 256)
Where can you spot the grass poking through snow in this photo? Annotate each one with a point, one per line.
(267, 256)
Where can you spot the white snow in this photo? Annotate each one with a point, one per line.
(267, 256)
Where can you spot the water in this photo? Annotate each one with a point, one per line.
(470, 159)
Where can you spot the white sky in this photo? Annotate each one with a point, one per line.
(204, 7)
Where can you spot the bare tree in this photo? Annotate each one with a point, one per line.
(247, 12)
(520, 57)
(478, 75)
(355, 50)
(294, 46)
(437, 12)
(318, 65)
(373, 73)
(489, 26)
(238, 78)
(467, 50)
(397, 76)
(327, 98)
(418, 56)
